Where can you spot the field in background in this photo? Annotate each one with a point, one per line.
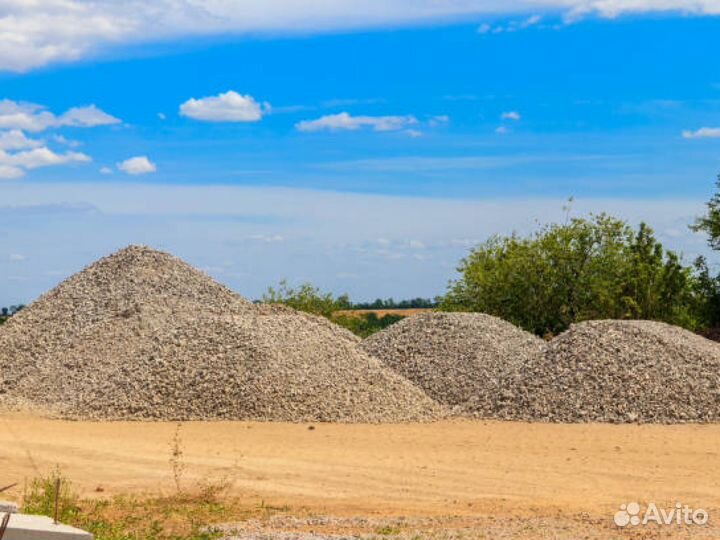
(512, 477)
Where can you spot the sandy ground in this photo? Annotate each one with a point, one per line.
(470, 470)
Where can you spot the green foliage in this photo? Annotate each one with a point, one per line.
(366, 324)
(389, 303)
(180, 517)
(710, 222)
(310, 299)
(584, 269)
(7, 312)
(306, 298)
(40, 495)
(708, 294)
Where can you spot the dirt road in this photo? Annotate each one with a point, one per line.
(447, 468)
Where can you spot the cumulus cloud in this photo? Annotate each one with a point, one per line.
(42, 157)
(702, 133)
(137, 165)
(34, 118)
(511, 115)
(17, 140)
(227, 107)
(42, 32)
(15, 165)
(345, 122)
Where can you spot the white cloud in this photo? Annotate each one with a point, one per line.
(15, 165)
(227, 107)
(8, 172)
(511, 115)
(106, 170)
(17, 140)
(65, 141)
(502, 130)
(512, 26)
(438, 120)
(17, 257)
(345, 122)
(413, 133)
(40, 32)
(702, 133)
(89, 116)
(41, 157)
(35, 118)
(137, 165)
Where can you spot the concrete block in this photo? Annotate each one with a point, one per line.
(23, 527)
(6, 507)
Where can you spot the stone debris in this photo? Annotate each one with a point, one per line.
(7, 507)
(459, 359)
(141, 335)
(621, 372)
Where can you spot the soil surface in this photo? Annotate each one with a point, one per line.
(489, 478)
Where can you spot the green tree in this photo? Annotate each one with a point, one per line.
(306, 298)
(710, 222)
(584, 269)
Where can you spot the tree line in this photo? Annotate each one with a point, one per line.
(7, 312)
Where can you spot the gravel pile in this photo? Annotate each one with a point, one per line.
(459, 359)
(620, 371)
(142, 335)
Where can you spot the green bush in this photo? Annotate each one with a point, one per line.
(366, 324)
(596, 268)
(306, 298)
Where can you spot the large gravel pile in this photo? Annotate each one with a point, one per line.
(141, 335)
(459, 359)
(620, 371)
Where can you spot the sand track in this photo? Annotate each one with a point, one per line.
(452, 467)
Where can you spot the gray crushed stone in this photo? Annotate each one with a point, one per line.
(619, 372)
(459, 359)
(141, 335)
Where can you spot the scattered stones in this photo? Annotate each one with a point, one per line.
(459, 359)
(620, 371)
(141, 335)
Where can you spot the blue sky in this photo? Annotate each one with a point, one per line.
(365, 154)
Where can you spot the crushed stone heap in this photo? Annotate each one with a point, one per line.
(142, 335)
(620, 371)
(459, 359)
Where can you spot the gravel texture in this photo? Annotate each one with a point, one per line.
(620, 371)
(459, 359)
(142, 335)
